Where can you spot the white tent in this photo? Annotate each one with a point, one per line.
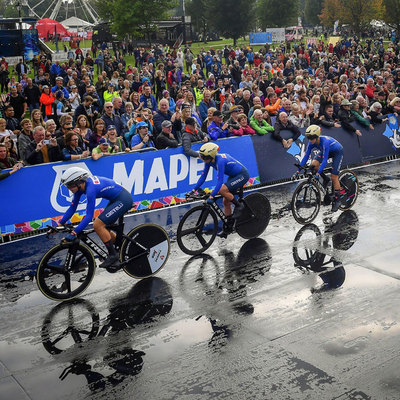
(74, 24)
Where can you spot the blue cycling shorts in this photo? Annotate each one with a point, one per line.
(117, 208)
(337, 158)
(237, 181)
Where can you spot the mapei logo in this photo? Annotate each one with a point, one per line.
(392, 131)
(298, 148)
(61, 197)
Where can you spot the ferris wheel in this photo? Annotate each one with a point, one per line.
(62, 9)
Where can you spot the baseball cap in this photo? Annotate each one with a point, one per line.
(109, 127)
(103, 141)
(59, 78)
(166, 124)
(217, 113)
(110, 84)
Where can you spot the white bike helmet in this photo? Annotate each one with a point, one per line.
(74, 175)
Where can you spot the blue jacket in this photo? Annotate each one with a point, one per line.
(203, 109)
(55, 89)
(153, 102)
(216, 132)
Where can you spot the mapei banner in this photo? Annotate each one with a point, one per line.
(155, 179)
(33, 198)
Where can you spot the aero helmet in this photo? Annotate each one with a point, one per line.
(313, 131)
(208, 150)
(74, 175)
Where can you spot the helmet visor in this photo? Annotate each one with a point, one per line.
(312, 137)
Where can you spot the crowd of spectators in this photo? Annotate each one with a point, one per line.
(97, 105)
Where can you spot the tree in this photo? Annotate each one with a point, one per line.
(231, 18)
(199, 10)
(330, 13)
(312, 9)
(392, 14)
(357, 13)
(134, 17)
(271, 13)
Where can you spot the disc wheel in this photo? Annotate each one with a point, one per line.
(197, 230)
(148, 251)
(255, 216)
(349, 181)
(58, 282)
(306, 202)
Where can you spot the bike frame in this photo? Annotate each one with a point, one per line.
(100, 251)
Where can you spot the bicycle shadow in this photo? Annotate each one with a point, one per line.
(312, 252)
(71, 332)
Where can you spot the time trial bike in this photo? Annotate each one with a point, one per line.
(68, 268)
(310, 194)
(198, 227)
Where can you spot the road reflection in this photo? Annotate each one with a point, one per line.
(70, 331)
(313, 252)
(211, 285)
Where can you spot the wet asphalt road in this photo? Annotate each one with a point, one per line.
(240, 322)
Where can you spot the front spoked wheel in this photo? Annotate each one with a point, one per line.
(306, 202)
(255, 216)
(65, 271)
(197, 230)
(145, 251)
(349, 182)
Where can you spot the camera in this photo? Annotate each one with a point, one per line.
(46, 141)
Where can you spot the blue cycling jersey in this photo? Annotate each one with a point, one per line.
(328, 147)
(225, 165)
(96, 187)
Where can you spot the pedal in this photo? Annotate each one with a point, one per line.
(222, 235)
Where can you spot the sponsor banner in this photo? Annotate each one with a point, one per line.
(33, 198)
(272, 35)
(155, 179)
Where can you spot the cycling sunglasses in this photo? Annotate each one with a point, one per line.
(312, 137)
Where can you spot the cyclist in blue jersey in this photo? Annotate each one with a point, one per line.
(328, 148)
(225, 165)
(79, 182)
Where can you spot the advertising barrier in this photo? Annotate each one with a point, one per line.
(33, 198)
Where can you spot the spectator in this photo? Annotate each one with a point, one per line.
(72, 151)
(103, 149)
(116, 142)
(4, 73)
(259, 124)
(355, 110)
(66, 126)
(346, 118)
(217, 129)
(110, 93)
(32, 95)
(24, 138)
(274, 104)
(191, 134)
(149, 100)
(58, 87)
(246, 102)
(98, 133)
(205, 104)
(17, 101)
(50, 127)
(143, 139)
(110, 118)
(244, 127)
(47, 100)
(164, 114)
(82, 129)
(233, 119)
(375, 112)
(11, 146)
(298, 118)
(327, 118)
(171, 101)
(36, 118)
(12, 123)
(283, 123)
(74, 98)
(166, 138)
(3, 130)
(286, 106)
(128, 115)
(5, 160)
(41, 150)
